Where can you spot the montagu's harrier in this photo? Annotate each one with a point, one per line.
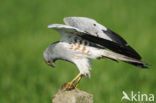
(83, 39)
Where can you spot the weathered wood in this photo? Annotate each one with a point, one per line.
(72, 96)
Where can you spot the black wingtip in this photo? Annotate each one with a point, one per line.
(140, 65)
(143, 67)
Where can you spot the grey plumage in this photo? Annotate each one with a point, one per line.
(83, 39)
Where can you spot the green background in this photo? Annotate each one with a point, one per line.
(25, 78)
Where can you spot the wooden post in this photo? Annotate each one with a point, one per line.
(72, 96)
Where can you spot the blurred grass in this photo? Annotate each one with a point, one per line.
(25, 78)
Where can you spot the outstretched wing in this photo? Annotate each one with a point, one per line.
(68, 31)
(101, 35)
(94, 28)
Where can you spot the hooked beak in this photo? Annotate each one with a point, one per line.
(50, 63)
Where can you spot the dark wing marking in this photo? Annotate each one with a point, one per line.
(115, 37)
(138, 65)
(122, 49)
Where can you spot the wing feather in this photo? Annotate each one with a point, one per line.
(116, 47)
(99, 34)
(94, 28)
(66, 31)
(125, 50)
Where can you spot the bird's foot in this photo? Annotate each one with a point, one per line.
(68, 86)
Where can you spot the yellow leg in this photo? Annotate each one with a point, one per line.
(76, 77)
(78, 82)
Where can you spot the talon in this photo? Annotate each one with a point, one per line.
(69, 86)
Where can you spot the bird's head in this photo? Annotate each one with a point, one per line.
(49, 56)
(50, 62)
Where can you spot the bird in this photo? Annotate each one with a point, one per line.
(84, 39)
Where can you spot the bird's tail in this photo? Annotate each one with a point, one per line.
(120, 57)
